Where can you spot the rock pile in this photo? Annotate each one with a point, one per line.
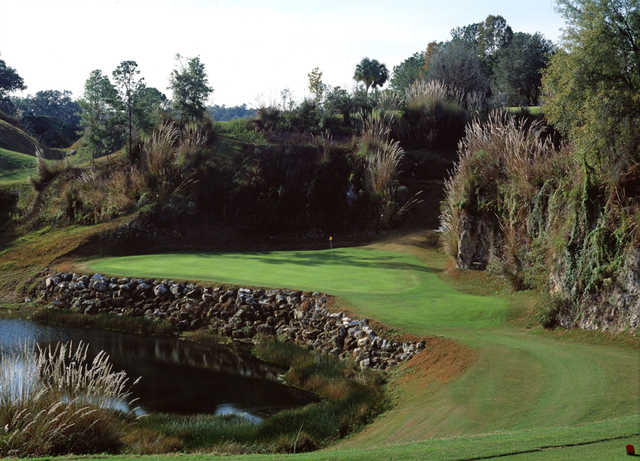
(239, 313)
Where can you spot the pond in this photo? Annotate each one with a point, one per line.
(177, 376)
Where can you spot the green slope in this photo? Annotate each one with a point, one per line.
(526, 383)
(14, 139)
(16, 167)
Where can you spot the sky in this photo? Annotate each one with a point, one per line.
(252, 49)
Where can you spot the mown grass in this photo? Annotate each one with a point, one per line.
(533, 387)
(16, 167)
(594, 441)
(380, 280)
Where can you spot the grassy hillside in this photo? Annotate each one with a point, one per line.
(15, 167)
(526, 387)
(14, 139)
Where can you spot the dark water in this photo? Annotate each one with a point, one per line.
(177, 376)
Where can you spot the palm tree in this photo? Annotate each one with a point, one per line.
(371, 73)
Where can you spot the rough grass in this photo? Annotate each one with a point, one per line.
(16, 167)
(530, 387)
(22, 258)
(595, 441)
(14, 139)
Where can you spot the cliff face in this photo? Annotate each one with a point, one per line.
(475, 240)
(615, 306)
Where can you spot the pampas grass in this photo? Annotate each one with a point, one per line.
(56, 401)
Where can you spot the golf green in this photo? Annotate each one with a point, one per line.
(383, 282)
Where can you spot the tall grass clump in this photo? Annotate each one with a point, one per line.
(382, 161)
(56, 401)
(434, 115)
(503, 163)
(97, 195)
(168, 153)
(46, 171)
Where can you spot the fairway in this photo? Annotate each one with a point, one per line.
(527, 389)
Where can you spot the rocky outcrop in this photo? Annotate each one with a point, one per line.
(238, 313)
(615, 308)
(475, 241)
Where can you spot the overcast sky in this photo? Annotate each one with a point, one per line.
(252, 49)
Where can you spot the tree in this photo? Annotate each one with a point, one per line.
(485, 38)
(432, 47)
(371, 73)
(100, 114)
(51, 116)
(129, 85)
(493, 35)
(223, 113)
(407, 72)
(190, 87)
(458, 65)
(339, 101)
(10, 81)
(592, 87)
(316, 86)
(518, 69)
(149, 105)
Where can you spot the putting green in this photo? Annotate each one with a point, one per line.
(382, 282)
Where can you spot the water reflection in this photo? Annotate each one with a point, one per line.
(177, 377)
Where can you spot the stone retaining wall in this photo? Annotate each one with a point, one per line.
(239, 313)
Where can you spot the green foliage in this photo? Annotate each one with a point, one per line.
(485, 38)
(593, 85)
(150, 105)
(51, 116)
(371, 73)
(407, 72)
(191, 89)
(129, 85)
(223, 113)
(10, 80)
(548, 308)
(241, 129)
(316, 86)
(457, 64)
(100, 115)
(518, 69)
(339, 101)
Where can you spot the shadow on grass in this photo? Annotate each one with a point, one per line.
(324, 258)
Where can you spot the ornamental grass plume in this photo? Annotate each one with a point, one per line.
(55, 401)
